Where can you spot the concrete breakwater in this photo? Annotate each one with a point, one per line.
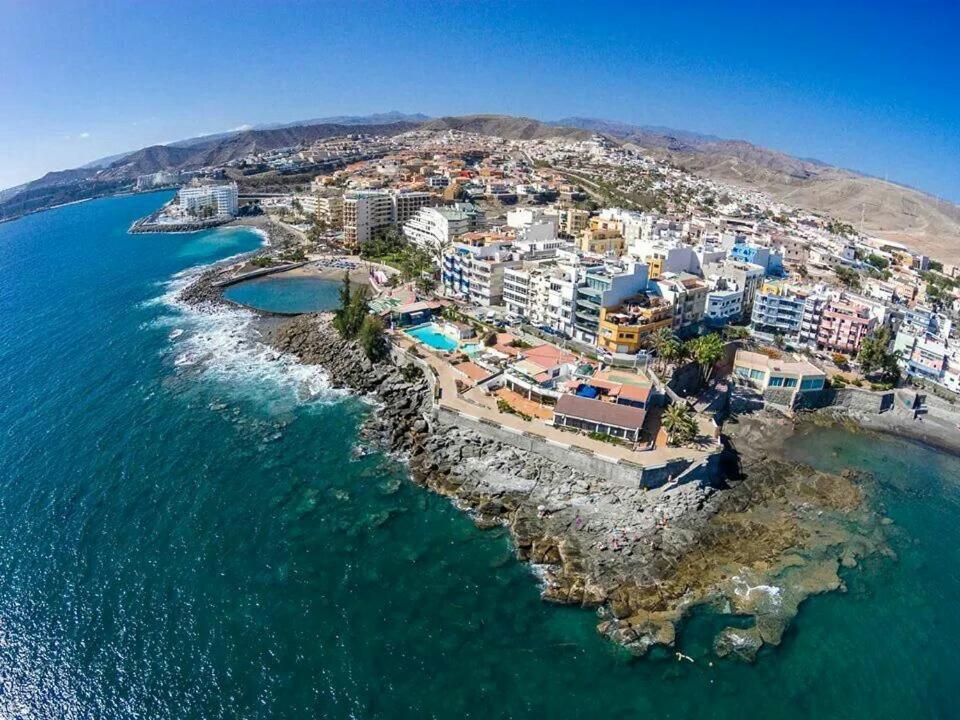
(150, 225)
(641, 556)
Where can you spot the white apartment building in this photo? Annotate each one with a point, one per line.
(308, 203)
(330, 208)
(406, 204)
(526, 290)
(475, 273)
(219, 200)
(745, 277)
(687, 294)
(562, 296)
(434, 228)
(723, 306)
(366, 211)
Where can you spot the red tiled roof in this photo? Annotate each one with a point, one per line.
(472, 371)
(548, 356)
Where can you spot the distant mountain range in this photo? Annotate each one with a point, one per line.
(889, 210)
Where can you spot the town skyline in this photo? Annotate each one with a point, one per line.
(823, 101)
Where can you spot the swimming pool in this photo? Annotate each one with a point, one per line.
(429, 334)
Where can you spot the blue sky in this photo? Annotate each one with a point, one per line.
(873, 86)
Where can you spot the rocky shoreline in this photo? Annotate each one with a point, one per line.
(756, 544)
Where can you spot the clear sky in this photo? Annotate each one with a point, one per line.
(872, 86)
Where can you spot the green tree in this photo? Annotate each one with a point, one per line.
(875, 356)
(847, 276)
(706, 351)
(372, 338)
(680, 424)
(354, 308)
(664, 343)
(735, 332)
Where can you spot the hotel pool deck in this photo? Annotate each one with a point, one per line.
(431, 335)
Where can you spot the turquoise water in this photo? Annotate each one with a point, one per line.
(282, 294)
(430, 334)
(184, 535)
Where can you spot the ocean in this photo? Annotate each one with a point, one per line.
(185, 534)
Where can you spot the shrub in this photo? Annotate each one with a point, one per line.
(411, 372)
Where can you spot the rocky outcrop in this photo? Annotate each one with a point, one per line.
(641, 557)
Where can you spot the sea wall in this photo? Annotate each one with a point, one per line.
(615, 471)
(854, 399)
(148, 225)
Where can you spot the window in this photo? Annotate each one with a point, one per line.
(789, 382)
(812, 384)
(742, 372)
(776, 382)
(756, 374)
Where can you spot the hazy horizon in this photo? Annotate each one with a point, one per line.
(780, 78)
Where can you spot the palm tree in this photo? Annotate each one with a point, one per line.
(680, 424)
(706, 350)
(660, 341)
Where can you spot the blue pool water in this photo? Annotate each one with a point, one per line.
(430, 334)
(284, 294)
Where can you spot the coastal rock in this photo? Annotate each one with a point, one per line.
(643, 557)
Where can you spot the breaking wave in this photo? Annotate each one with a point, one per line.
(223, 344)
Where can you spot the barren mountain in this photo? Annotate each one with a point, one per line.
(236, 145)
(891, 211)
(70, 185)
(504, 126)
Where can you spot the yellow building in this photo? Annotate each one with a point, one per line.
(602, 242)
(624, 328)
(573, 221)
(599, 223)
(654, 263)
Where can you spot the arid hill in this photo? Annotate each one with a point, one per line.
(891, 211)
(504, 126)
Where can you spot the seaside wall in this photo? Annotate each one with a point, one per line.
(626, 473)
(854, 399)
(618, 471)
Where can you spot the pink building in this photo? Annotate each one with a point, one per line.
(843, 326)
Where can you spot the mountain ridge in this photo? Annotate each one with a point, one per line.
(890, 210)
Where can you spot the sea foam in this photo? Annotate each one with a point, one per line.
(222, 344)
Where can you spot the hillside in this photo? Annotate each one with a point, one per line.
(222, 149)
(81, 183)
(891, 211)
(504, 126)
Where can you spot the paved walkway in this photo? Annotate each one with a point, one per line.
(450, 399)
